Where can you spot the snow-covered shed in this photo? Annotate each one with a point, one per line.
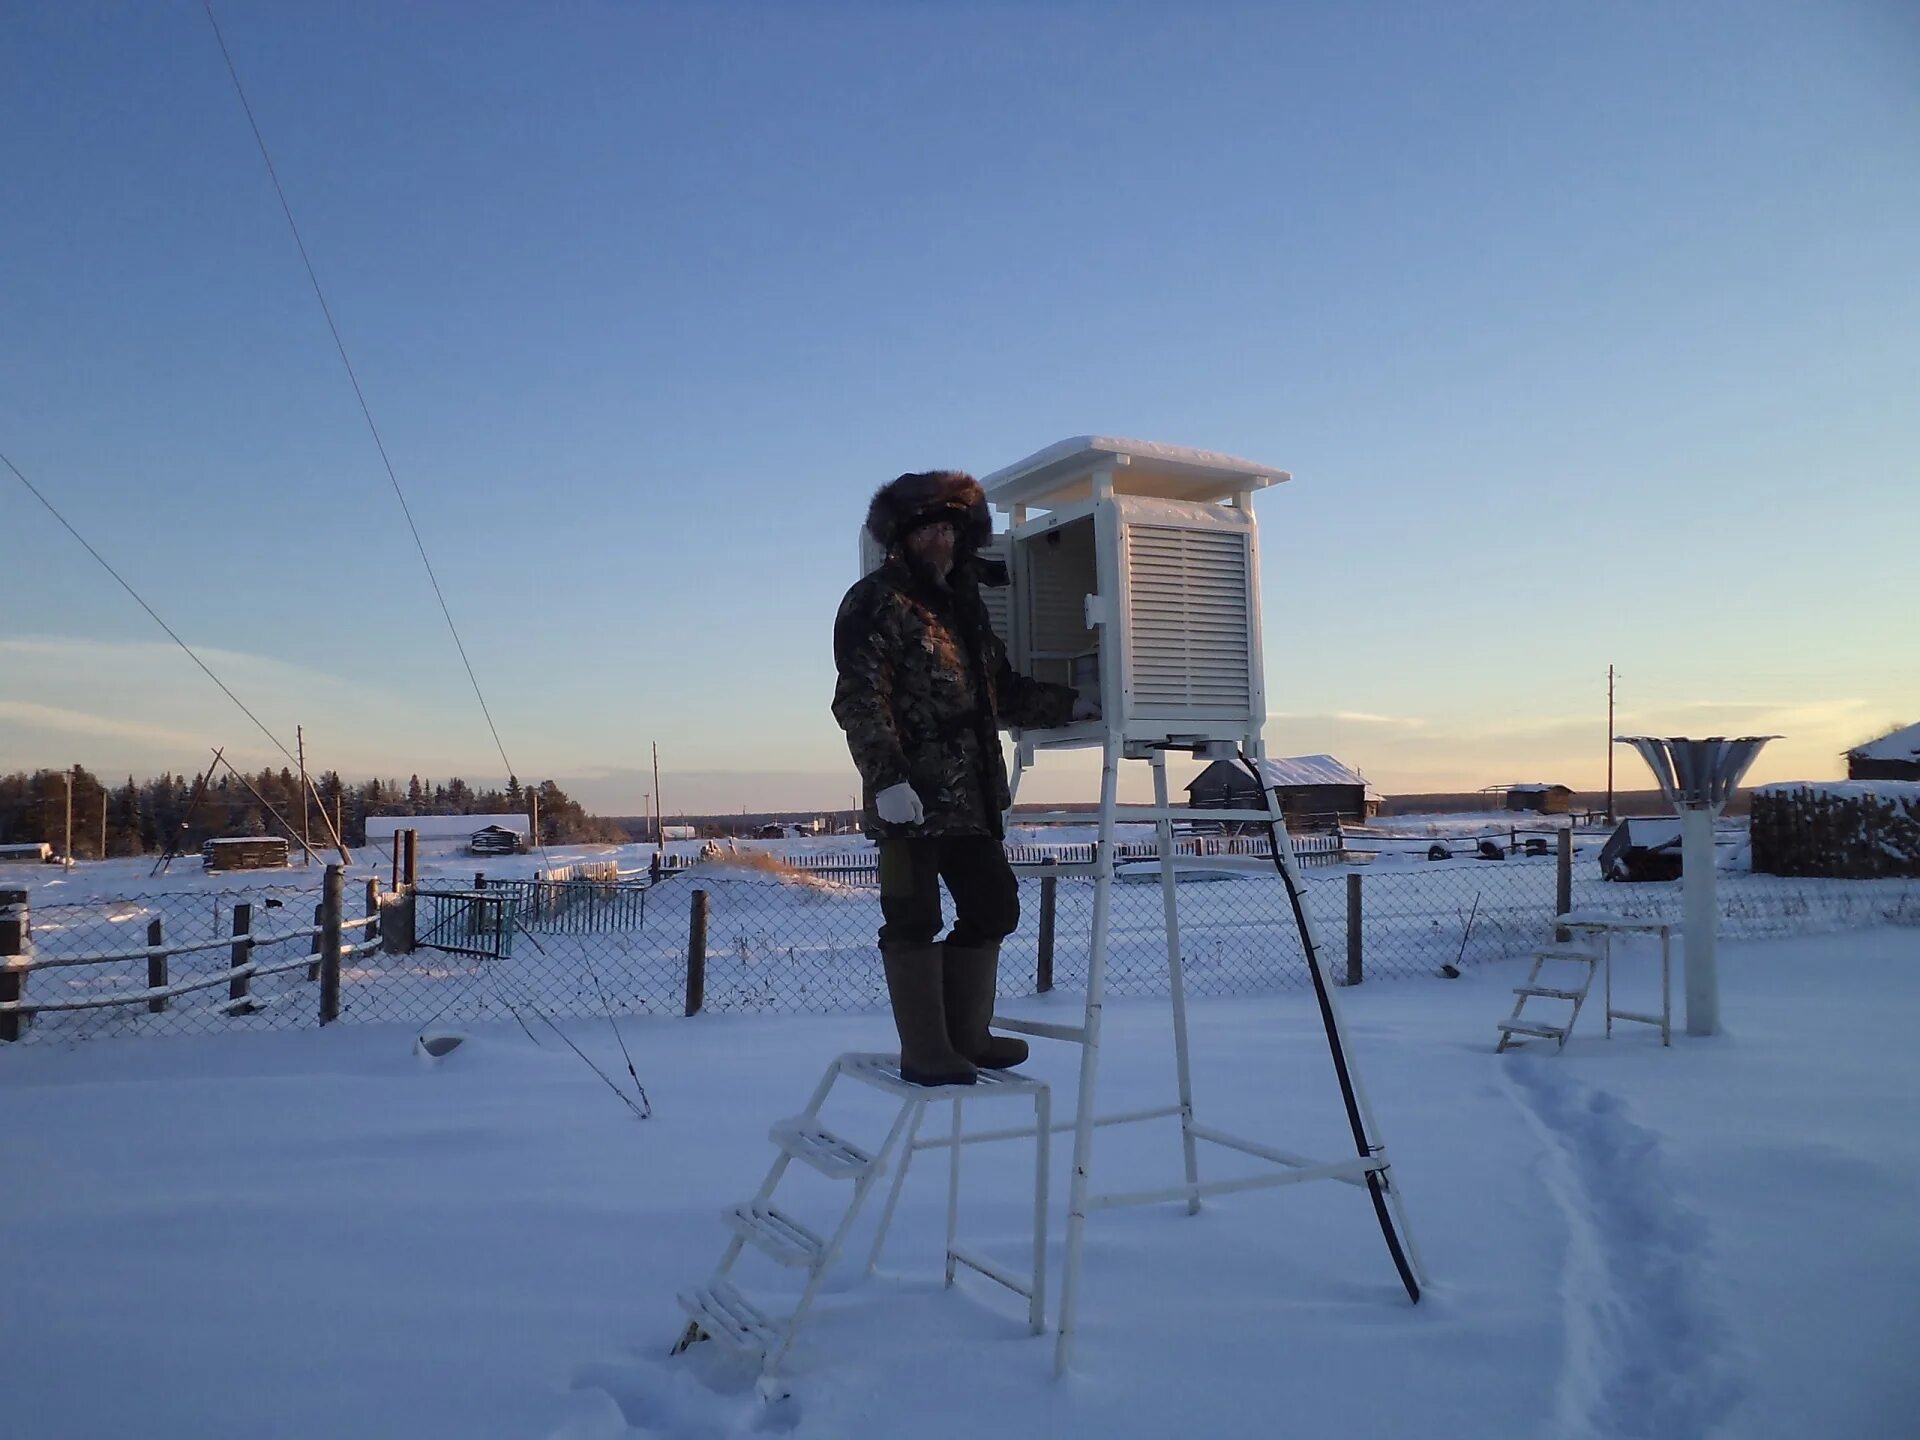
(1314, 789)
(31, 850)
(1894, 756)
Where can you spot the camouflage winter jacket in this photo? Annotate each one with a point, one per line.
(924, 687)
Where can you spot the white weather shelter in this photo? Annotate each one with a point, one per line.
(1140, 583)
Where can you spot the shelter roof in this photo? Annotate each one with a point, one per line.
(1063, 472)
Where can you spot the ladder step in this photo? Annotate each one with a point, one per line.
(883, 1073)
(1522, 1027)
(1633, 1015)
(819, 1147)
(1550, 992)
(728, 1316)
(1568, 952)
(778, 1234)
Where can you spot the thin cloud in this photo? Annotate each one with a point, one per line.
(80, 722)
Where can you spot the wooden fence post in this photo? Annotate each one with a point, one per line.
(16, 927)
(1049, 902)
(242, 952)
(410, 858)
(372, 931)
(1356, 930)
(156, 964)
(331, 903)
(1563, 882)
(697, 953)
(313, 966)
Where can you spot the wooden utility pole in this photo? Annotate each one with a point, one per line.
(659, 810)
(306, 830)
(66, 860)
(1609, 744)
(103, 821)
(533, 800)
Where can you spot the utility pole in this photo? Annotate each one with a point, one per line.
(66, 860)
(1609, 744)
(533, 798)
(306, 831)
(103, 821)
(659, 832)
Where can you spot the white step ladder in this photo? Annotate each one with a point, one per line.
(719, 1310)
(1573, 986)
(1367, 1169)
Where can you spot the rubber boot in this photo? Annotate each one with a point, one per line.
(927, 1056)
(972, 977)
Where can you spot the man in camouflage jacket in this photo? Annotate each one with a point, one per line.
(924, 686)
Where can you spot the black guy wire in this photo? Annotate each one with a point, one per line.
(606, 1005)
(358, 394)
(171, 632)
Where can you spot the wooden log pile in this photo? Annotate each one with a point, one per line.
(1853, 830)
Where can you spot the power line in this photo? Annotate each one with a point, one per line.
(339, 344)
(171, 632)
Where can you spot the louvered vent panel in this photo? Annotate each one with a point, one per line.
(999, 598)
(1188, 620)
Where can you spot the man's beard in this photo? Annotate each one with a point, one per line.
(929, 571)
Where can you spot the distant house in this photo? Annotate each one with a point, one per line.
(494, 840)
(1894, 756)
(244, 852)
(34, 851)
(1538, 798)
(1313, 789)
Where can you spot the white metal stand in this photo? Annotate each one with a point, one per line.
(720, 1310)
(1368, 1169)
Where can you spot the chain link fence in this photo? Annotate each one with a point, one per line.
(782, 941)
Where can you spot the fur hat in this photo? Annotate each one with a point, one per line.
(905, 503)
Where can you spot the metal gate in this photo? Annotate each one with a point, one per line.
(465, 922)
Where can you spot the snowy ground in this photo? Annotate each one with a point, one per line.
(324, 1234)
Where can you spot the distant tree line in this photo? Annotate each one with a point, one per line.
(142, 817)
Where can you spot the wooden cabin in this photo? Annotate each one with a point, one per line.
(1537, 798)
(245, 852)
(1313, 790)
(1894, 756)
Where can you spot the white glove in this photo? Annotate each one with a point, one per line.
(1085, 707)
(898, 805)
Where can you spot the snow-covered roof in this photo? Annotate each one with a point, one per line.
(1309, 770)
(1061, 473)
(1537, 787)
(1901, 744)
(1652, 832)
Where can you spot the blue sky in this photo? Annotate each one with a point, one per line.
(1591, 334)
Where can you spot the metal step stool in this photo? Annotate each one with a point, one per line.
(1583, 956)
(719, 1310)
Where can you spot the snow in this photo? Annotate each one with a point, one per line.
(1890, 790)
(328, 1233)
